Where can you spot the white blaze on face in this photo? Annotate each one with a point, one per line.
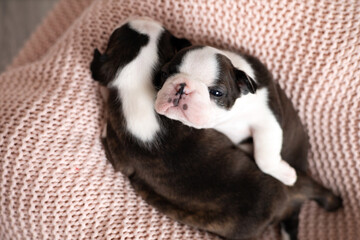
(134, 83)
(201, 65)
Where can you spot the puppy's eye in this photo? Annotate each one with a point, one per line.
(215, 93)
(164, 74)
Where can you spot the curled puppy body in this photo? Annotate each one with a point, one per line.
(195, 176)
(205, 87)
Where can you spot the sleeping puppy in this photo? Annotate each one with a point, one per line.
(210, 88)
(197, 177)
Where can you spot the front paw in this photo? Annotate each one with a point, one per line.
(285, 173)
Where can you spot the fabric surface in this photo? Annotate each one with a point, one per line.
(55, 182)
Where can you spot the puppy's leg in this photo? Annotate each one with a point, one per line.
(268, 139)
(305, 189)
(314, 191)
(290, 226)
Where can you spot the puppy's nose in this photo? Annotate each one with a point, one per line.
(180, 89)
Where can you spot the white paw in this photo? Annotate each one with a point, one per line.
(284, 173)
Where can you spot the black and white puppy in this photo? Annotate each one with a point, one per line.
(195, 176)
(208, 88)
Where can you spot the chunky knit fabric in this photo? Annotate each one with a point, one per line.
(55, 181)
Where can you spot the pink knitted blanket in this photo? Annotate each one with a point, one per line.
(55, 182)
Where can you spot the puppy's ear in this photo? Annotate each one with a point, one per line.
(180, 43)
(96, 67)
(245, 82)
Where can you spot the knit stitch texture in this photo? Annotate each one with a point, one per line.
(55, 181)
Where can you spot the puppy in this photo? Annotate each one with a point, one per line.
(195, 176)
(209, 88)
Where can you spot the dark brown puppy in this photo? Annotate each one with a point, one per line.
(197, 177)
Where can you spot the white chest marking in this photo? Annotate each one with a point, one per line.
(134, 83)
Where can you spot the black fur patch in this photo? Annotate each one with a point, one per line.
(124, 45)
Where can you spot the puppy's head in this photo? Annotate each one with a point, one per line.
(125, 44)
(135, 53)
(201, 84)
